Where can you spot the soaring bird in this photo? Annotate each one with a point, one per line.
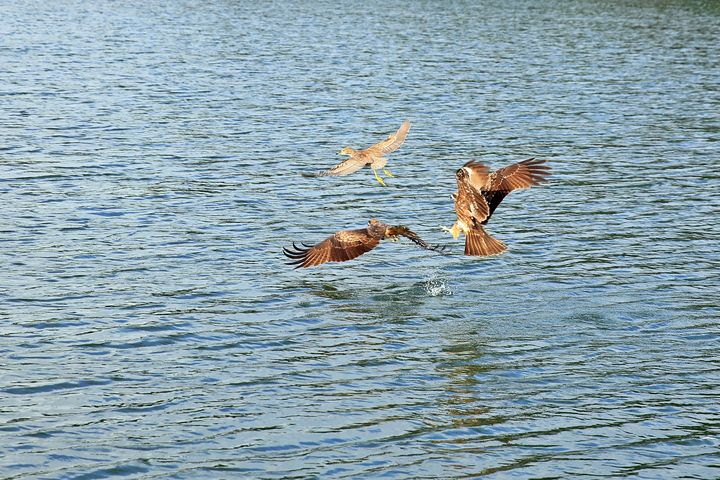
(348, 244)
(373, 156)
(480, 192)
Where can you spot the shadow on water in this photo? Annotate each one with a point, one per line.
(392, 303)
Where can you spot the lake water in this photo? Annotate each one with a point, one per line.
(150, 160)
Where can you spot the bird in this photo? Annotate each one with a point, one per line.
(349, 244)
(373, 156)
(479, 193)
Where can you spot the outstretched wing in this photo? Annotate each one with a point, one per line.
(340, 247)
(525, 174)
(391, 143)
(351, 165)
(517, 176)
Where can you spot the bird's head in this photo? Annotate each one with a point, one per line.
(461, 174)
(346, 151)
(376, 228)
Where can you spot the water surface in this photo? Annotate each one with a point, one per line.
(149, 174)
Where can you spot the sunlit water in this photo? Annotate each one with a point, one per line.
(149, 176)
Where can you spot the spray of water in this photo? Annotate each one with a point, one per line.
(436, 284)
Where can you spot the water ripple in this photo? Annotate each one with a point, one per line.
(151, 176)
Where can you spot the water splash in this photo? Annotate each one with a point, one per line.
(437, 285)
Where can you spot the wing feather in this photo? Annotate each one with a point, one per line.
(518, 176)
(470, 204)
(525, 174)
(339, 247)
(351, 165)
(392, 142)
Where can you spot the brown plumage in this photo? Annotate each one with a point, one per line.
(373, 156)
(348, 244)
(479, 194)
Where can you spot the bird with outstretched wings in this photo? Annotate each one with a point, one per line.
(374, 156)
(348, 244)
(479, 192)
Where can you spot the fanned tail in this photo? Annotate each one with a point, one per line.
(480, 243)
(413, 237)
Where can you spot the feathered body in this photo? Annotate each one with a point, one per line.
(373, 157)
(479, 194)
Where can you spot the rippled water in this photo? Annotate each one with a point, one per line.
(149, 175)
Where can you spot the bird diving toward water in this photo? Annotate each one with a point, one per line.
(480, 192)
(348, 244)
(373, 156)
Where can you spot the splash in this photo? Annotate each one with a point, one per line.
(437, 286)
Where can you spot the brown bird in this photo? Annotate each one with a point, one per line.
(480, 192)
(348, 244)
(373, 156)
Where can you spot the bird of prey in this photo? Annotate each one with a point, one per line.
(348, 244)
(373, 156)
(480, 192)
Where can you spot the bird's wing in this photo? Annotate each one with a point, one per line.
(517, 176)
(351, 165)
(342, 246)
(470, 204)
(391, 143)
(525, 174)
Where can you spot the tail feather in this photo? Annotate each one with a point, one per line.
(480, 243)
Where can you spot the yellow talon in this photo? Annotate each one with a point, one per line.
(387, 172)
(378, 178)
(454, 231)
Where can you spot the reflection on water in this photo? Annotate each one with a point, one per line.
(150, 164)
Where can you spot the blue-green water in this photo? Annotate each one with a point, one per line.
(149, 177)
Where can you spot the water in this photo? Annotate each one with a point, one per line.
(149, 175)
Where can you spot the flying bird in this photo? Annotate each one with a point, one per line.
(348, 244)
(373, 156)
(480, 192)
